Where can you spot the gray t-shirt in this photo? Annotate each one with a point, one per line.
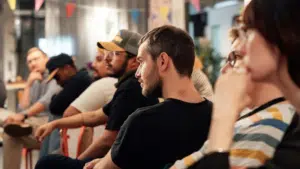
(42, 92)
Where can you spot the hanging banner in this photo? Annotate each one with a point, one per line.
(160, 13)
(135, 14)
(70, 8)
(170, 17)
(38, 4)
(12, 4)
(164, 12)
(196, 4)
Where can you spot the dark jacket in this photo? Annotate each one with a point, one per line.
(2, 94)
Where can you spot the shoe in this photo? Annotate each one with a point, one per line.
(18, 130)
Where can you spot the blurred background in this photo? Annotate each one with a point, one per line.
(74, 27)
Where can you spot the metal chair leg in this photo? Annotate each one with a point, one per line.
(30, 159)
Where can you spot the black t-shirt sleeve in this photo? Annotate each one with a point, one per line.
(106, 108)
(125, 102)
(128, 146)
(70, 92)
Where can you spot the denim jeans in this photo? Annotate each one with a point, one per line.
(51, 143)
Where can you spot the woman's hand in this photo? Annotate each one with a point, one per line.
(231, 97)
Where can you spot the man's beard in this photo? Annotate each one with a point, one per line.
(155, 90)
(122, 71)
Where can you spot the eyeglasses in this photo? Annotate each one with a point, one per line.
(233, 57)
(110, 54)
(33, 60)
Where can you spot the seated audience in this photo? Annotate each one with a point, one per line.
(120, 58)
(73, 82)
(102, 89)
(19, 128)
(154, 136)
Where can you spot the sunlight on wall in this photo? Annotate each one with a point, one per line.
(101, 24)
(55, 46)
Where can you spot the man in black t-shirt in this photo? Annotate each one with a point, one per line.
(120, 58)
(72, 81)
(156, 135)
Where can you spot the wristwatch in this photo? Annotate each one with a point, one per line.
(25, 116)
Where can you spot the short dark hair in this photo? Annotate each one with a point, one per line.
(277, 21)
(176, 43)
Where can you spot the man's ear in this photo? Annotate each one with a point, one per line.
(133, 63)
(163, 61)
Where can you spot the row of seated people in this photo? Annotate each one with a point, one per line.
(55, 88)
(252, 124)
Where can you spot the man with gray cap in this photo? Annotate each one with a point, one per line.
(120, 58)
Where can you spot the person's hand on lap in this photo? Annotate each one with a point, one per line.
(44, 131)
(91, 165)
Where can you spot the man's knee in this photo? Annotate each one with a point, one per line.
(56, 161)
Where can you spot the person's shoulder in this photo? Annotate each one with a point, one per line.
(52, 85)
(130, 82)
(278, 114)
(52, 82)
(83, 76)
(140, 114)
(105, 81)
(152, 110)
(283, 112)
(131, 85)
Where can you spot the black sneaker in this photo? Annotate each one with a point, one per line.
(18, 130)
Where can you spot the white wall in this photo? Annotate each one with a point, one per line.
(178, 13)
(222, 17)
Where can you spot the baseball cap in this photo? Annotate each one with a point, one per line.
(57, 62)
(125, 40)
